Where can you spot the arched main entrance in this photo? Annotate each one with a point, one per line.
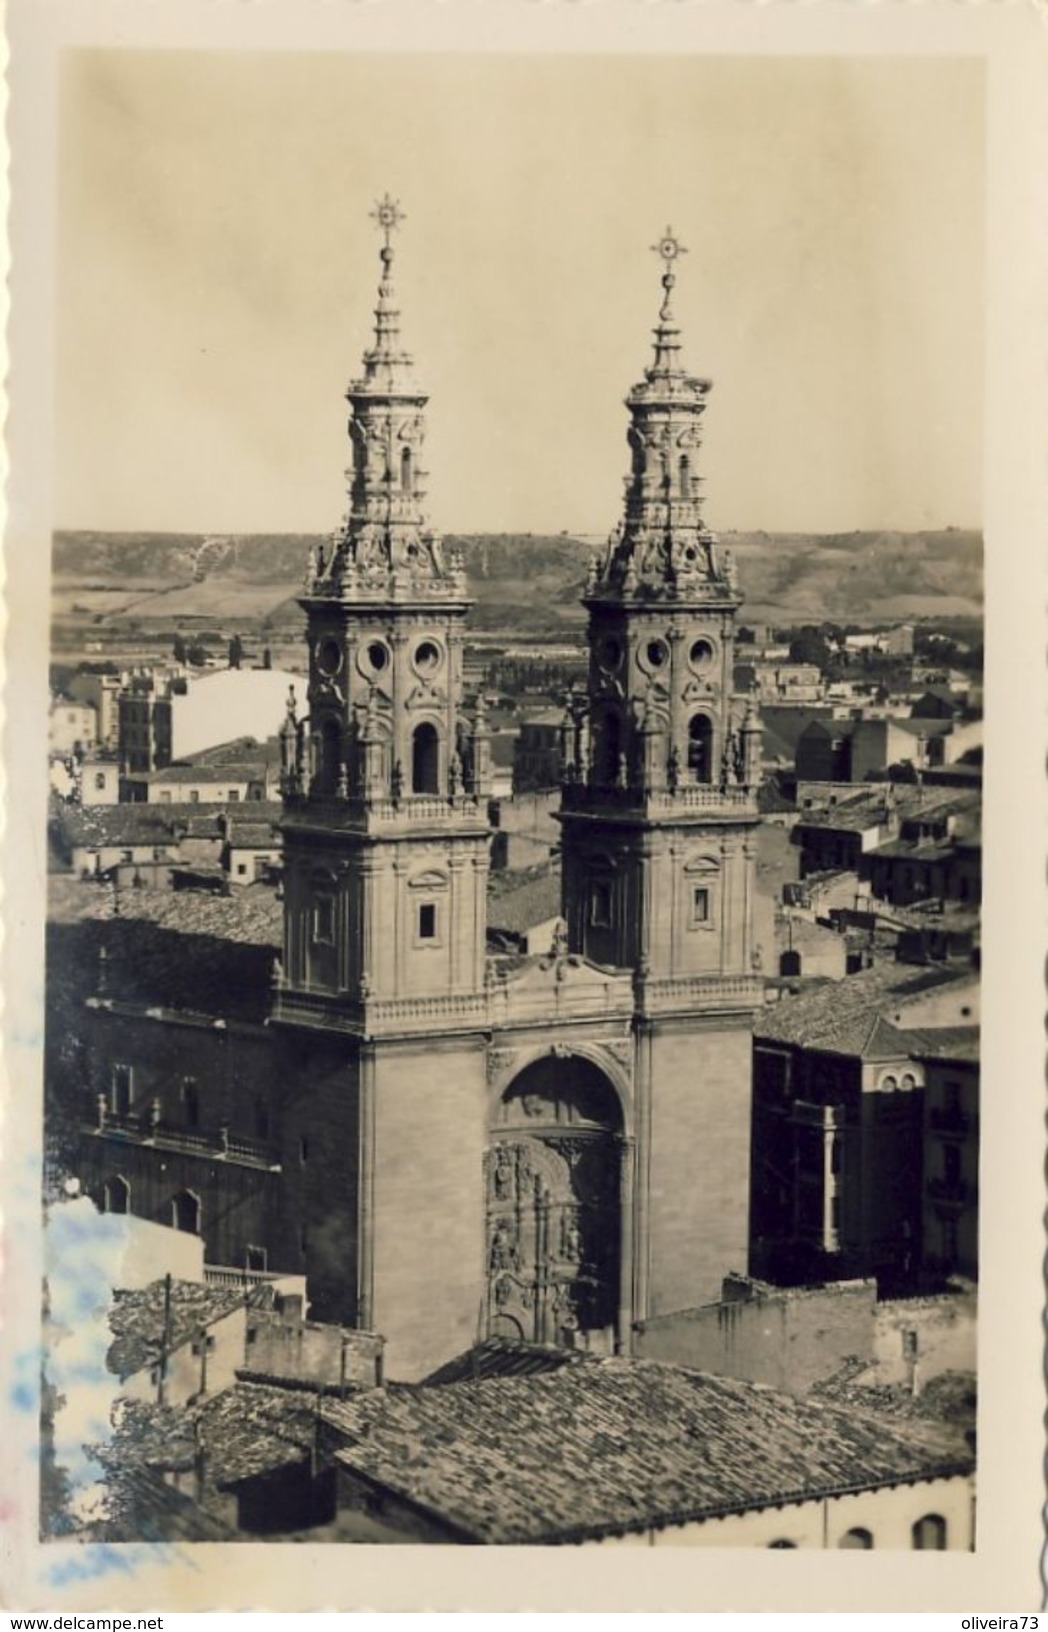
(554, 1210)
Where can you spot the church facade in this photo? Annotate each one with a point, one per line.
(553, 1148)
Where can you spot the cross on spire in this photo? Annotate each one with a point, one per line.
(387, 215)
(669, 247)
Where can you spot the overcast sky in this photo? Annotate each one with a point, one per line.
(217, 271)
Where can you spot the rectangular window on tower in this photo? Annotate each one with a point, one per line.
(701, 907)
(427, 921)
(324, 920)
(600, 904)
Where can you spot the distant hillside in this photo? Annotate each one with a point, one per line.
(531, 583)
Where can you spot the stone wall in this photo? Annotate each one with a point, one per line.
(328, 1355)
(425, 1217)
(696, 1083)
(784, 1338)
(945, 1329)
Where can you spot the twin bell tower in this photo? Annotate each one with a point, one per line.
(551, 1149)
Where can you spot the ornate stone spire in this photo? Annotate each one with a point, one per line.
(386, 365)
(662, 550)
(384, 549)
(667, 334)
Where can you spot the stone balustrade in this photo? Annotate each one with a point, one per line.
(729, 801)
(217, 1144)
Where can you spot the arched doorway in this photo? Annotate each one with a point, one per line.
(554, 1209)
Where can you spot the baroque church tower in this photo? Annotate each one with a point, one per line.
(662, 765)
(384, 782)
(551, 1148)
(659, 815)
(386, 850)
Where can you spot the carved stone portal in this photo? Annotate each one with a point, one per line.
(554, 1208)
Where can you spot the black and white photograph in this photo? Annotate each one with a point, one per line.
(512, 656)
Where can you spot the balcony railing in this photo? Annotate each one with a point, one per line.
(341, 1012)
(227, 1275)
(149, 1129)
(692, 992)
(409, 811)
(708, 797)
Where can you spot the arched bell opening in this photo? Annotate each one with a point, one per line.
(557, 1172)
(425, 759)
(700, 748)
(328, 755)
(607, 749)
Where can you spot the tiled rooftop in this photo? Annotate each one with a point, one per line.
(141, 1507)
(150, 823)
(502, 1357)
(249, 834)
(136, 1320)
(184, 949)
(608, 1446)
(252, 1428)
(245, 1430)
(945, 1042)
(244, 770)
(871, 804)
(520, 907)
(850, 1016)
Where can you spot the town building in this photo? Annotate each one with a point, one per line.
(950, 1215)
(166, 717)
(823, 751)
(838, 1123)
(101, 689)
(538, 761)
(98, 780)
(144, 720)
(781, 682)
(72, 727)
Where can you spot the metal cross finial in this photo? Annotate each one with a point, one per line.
(669, 247)
(388, 215)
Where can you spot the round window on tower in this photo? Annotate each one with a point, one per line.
(609, 654)
(428, 657)
(656, 653)
(329, 656)
(378, 656)
(701, 654)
